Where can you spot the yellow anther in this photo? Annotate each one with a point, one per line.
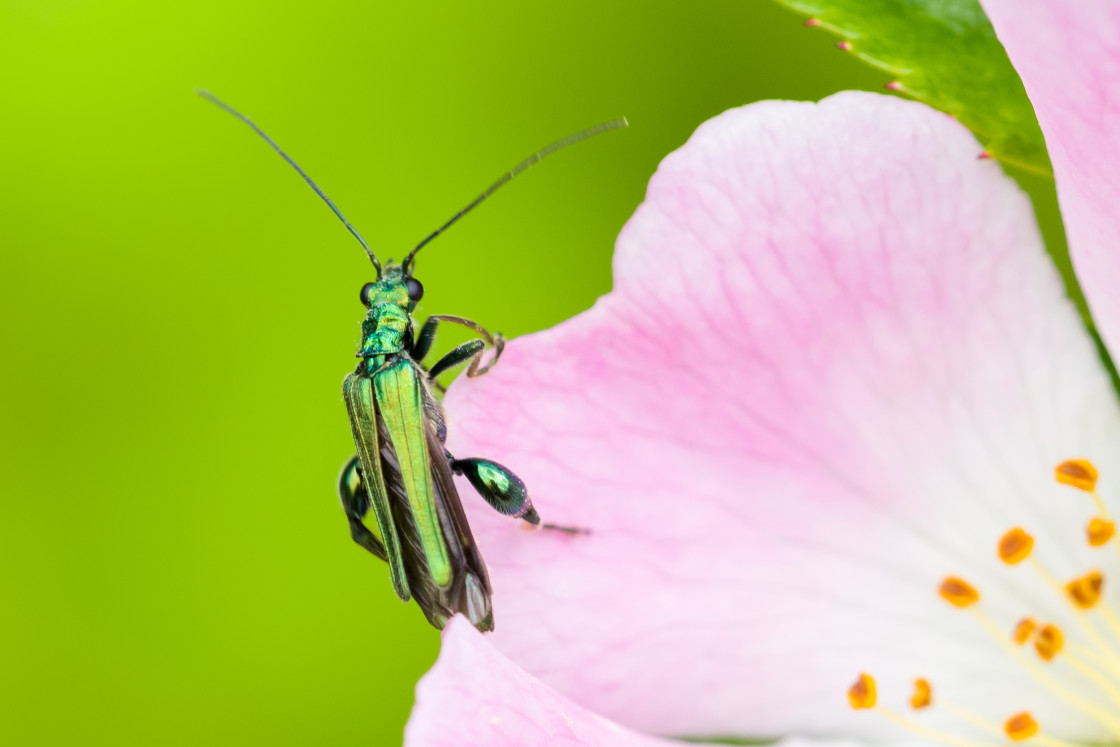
(958, 592)
(1015, 546)
(1049, 641)
(1100, 531)
(1085, 592)
(1023, 630)
(1080, 473)
(862, 694)
(923, 695)
(1020, 726)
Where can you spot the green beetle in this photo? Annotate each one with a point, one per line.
(398, 490)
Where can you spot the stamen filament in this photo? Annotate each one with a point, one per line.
(1090, 673)
(1101, 508)
(1050, 580)
(1043, 678)
(1049, 741)
(1110, 618)
(1090, 656)
(976, 720)
(925, 731)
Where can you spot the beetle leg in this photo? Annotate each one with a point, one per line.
(355, 502)
(504, 491)
(470, 350)
(474, 348)
(424, 340)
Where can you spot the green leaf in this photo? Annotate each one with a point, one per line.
(944, 53)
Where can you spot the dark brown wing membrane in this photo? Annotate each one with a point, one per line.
(473, 596)
(469, 590)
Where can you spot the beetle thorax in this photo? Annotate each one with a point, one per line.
(388, 322)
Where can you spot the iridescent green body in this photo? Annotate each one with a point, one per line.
(399, 393)
(398, 491)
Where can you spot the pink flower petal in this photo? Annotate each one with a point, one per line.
(1068, 55)
(836, 366)
(474, 696)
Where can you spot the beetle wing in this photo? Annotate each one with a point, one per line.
(411, 488)
(470, 594)
(357, 390)
(400, 407)
(467, 590)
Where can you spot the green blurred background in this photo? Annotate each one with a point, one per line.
(178, 311)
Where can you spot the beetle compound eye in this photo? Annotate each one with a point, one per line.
(415, 289)
(364, 295)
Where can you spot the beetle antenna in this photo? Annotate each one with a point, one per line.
(223, 105)
(548, 150)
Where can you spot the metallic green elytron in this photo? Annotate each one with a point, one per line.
(398, 491)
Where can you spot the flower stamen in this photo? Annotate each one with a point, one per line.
(1056, 688)
(1023, 630)
(1100, 531)
(1081, 474)
(1020, 726)
(1023, 726)
(1097, 663)
(862, 696)
(958, 592)
(1085, 592)
(1077, 473)
(1015, 546)
(1082, 618)
(923, 695)
(1049, 642)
